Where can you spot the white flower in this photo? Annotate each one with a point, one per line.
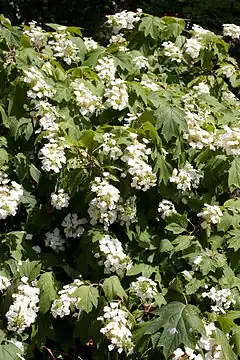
(64, 48)
(130, 118)
(199, 32)
(141, 62)
(48, 115)
(150, 85)
(4, 283)
(110, 147)
(10, 196)
(119, 40)
(90, 44)
(39, 87)
(230, 141)
(228, 70)
(37, 249)
(127, 211)
(106, 69)
(211, 214)
(112, 256)
(187, 178)
(166, 208)
(222, 298)
(144, 288)
(172, 51)
(117, 95)
(54, 240)
(36, 34)
(73, 226)
(202, 88)
(193, 47)
(86, 100)
(123, 20)
(53, 156)
(60, 199)
(178, 353)
(231, 30)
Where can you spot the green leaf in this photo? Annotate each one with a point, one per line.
(4, 117)
(175, 228)
(227, 320)
(182, 242)
(35, 173)
(151, 25)
(9, 352)
(88, 297)
(31, 269)
(234, 241)
(113, 288)
(171, 120)
(179, 323)
(3, 156)
(234, 173)
(48, 292)
(14, 242)
(226, 352)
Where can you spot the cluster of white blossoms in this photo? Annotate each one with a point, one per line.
(120, 41)
(86, 100)
(202, 88)
(187, 354)
(141, 62)
(10, 196)
(231, 30)
(67, 301)
(196, 262)
(117, 95)
(106, 69)
(36, 34)
(228, 70)
(187, 178)
(117, 328)
(103, 207)
(150, 85)
(39, 87)
(110, 147)
(73, 226)
(90, 44)
(208, 343)
(48, 115)
(112, 256)
(166, 208)
(52, 155)
(136, 157)
(172, 51)
(144, 288)
(199, 32)
(23, 312)
(130, 118)
(123, 20)
(192, 47)
(229, 96)
(4, 283)
(229, 141)
(63, 47)
(223, 299)
(211, 215)
(60, 199)
(54, 240)
(127, 211)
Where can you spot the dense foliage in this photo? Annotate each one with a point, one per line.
(119, 192)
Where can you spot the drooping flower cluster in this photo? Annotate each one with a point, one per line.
(222, 298)
(192, 47)
(23, 312)
(117, 328)
(123, 20)
(63, 47)
(136, 157)
(60, 199)
(36, 34)
(231, 30)
(73, 226)
(90, 44)
(144, 288)
(86, 100)
(172, 51)
(52, 155)
(187, 178)
(4, 283)
(10, 196)
(39, 87)
(106, 69)
(229, 141)
(112, 256)
(54, 240)
(110, 147)
(166, 208)
(103, 207)
(211, 215)
(48, 115)
(67, 301)
(127, 211)
(117, 95)
(120, 41)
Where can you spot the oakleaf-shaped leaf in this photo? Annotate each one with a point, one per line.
(9, 352)
(88, 297)
(48, 291)
(226, 352)
(171, 120)
(112, 288)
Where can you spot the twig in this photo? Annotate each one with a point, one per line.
(50, 352)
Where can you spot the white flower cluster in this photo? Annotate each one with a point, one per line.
(4, 283)
(231, 30)
(23, 312)
(208, 343)
(67, 301)
(223, 299)
(127, 211)
(73, 226)
(136, 157)
(88, 102)
(36, 34)
(211, 215)
(229, 141)
(196, 262)
(166, 208)
(54, 240)
(150, 85)
(117, 328)
(187, 354)
(64, 48)
(10, 196)
(52, 155)
(228, 70)
(48, 116)
(172, 51)
(117, 95)
(229, 96)
(199, 32)
(110, 147)
(120, 41)
(39, 87)
(144, 288)
(192, 47)
(187, 178)
(90, 44)
(202, 88)
(141, 62)
(130, 118)
(106, 69)
(103, 207)
(112, 256)
(123, 20)
(60, 199)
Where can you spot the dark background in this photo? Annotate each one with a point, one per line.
(90, 14)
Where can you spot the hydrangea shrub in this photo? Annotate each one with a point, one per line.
(119, 192)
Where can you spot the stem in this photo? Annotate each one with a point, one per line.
(50, 352)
